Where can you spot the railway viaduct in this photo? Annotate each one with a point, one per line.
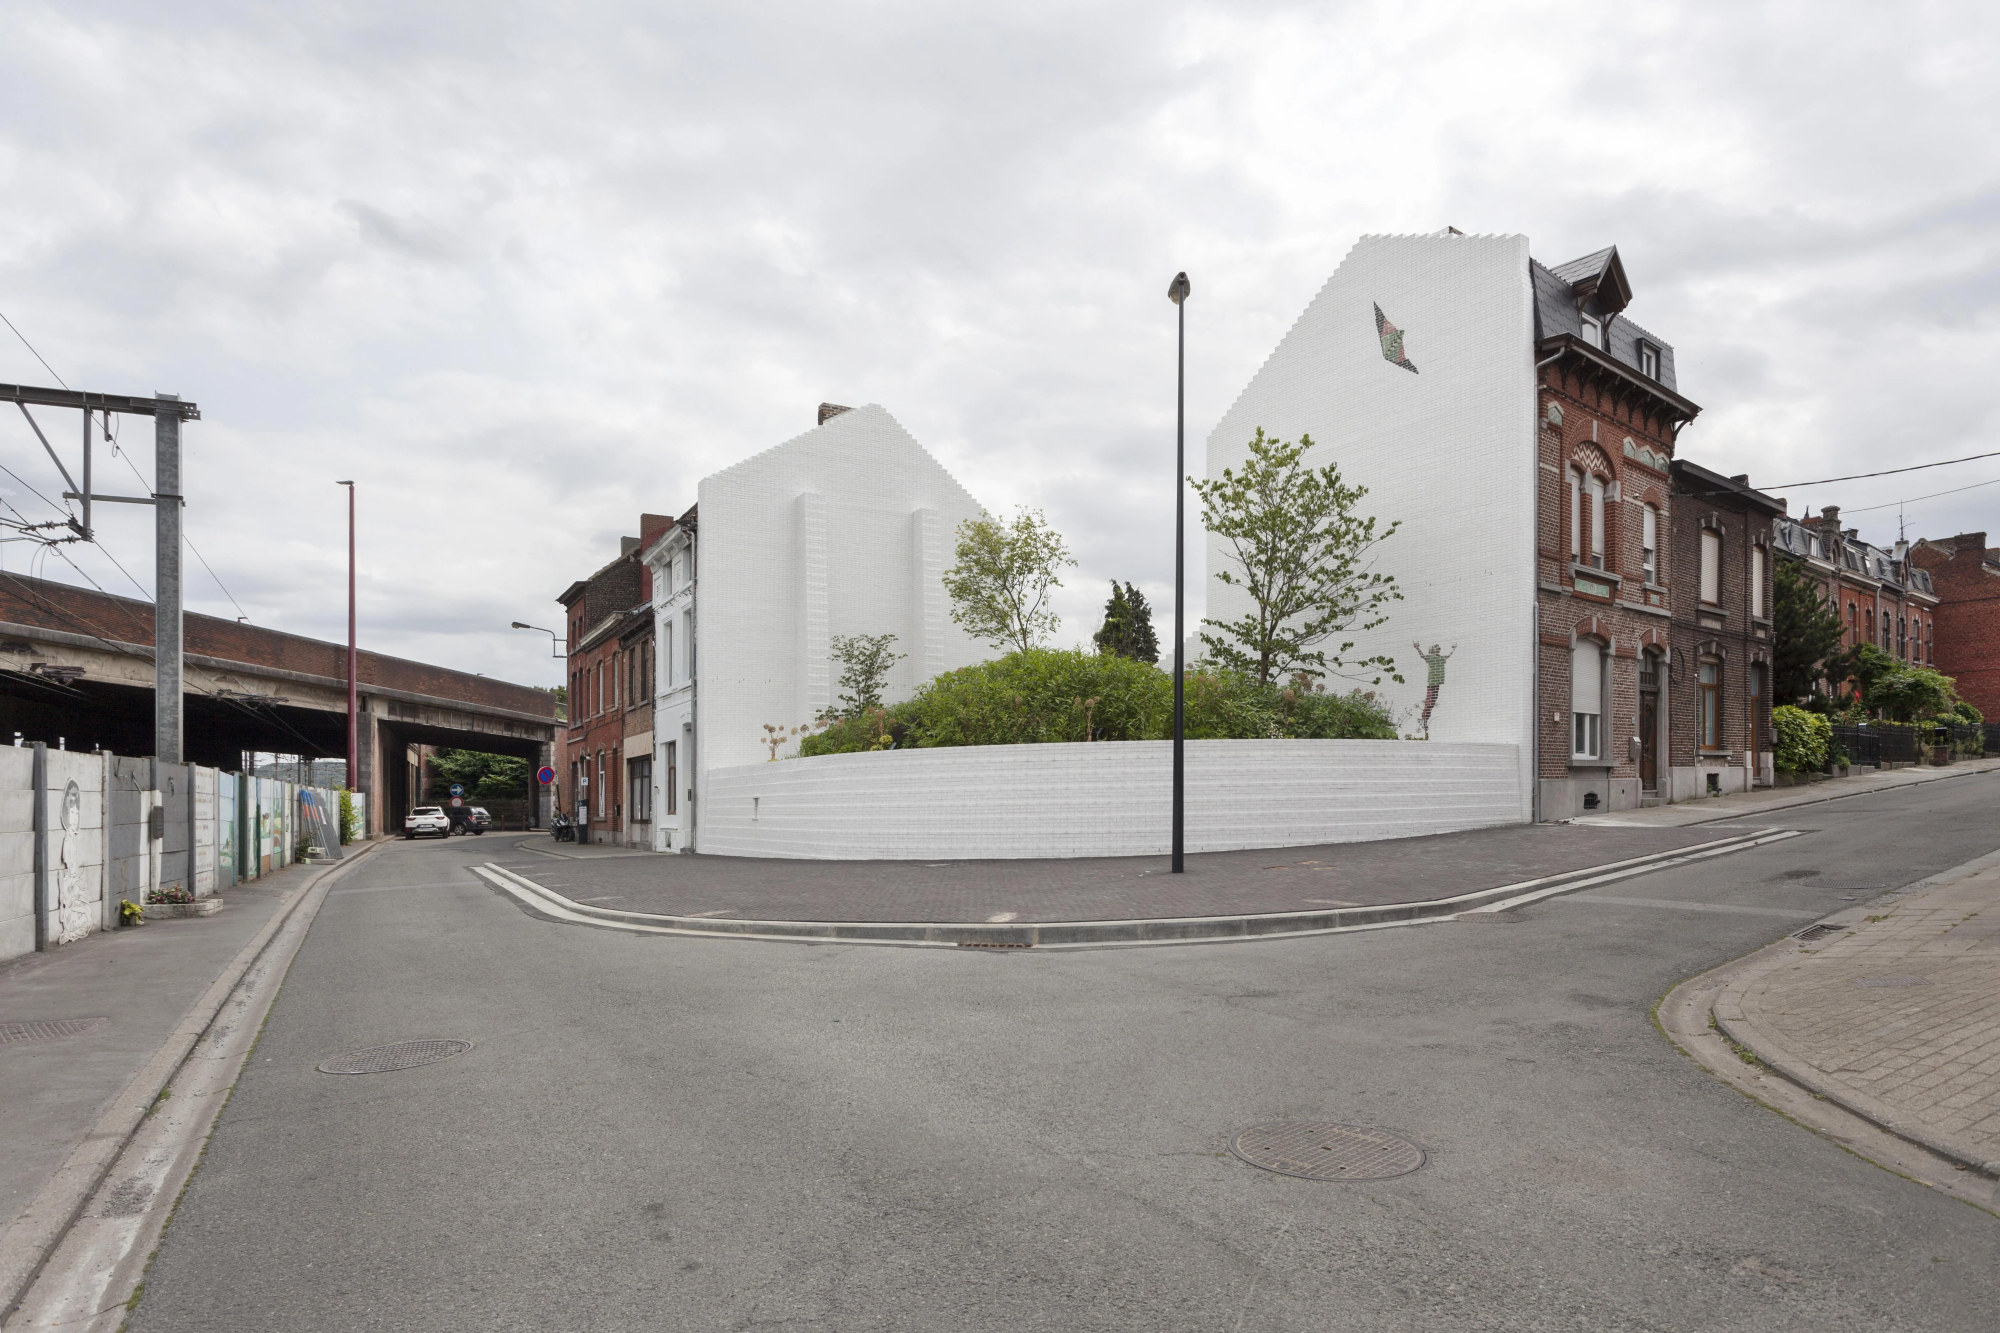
(76, 667)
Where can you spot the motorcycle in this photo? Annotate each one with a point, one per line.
(561, 829)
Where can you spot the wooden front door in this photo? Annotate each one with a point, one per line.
(1649, 740)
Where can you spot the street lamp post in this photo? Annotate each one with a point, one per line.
(353, 684)
(1178, 293)
(556, 644)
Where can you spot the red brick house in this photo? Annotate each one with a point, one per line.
(1883, 596)
(609, 623)
(1965, 576)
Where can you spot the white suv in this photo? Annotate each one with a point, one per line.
(426, 819)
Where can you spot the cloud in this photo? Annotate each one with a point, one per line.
(526, 270)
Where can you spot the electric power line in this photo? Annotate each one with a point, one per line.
(1886, 472)
(31, 347)
(1914, 499)
(148, 488)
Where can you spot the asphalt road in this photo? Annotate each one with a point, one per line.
(659, 1133)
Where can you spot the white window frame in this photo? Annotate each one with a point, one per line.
(1576, 515)
(1593, 331)
(1649, 539)
(1597, 491)
(1711, 567)
(1586, 724)
(1757, 563)
(1649, 361)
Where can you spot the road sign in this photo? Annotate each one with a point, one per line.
(545, 775)
(458, 789)
(457, 801)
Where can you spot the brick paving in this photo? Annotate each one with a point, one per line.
(1904, 1010)
(1286, 879)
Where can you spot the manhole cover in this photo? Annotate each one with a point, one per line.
(402, 1055)
(1316, 1150)
(46, 1030)
(1890, 981)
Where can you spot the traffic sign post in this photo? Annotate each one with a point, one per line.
(545, 775)
(457, 789)
(457, 801)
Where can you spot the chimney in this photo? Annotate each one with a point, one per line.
(828, 411)
(1741, 479)
(651, 526)
(1969, 543)
(627, 545)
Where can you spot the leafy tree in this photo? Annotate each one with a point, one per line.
(1806, 633)
(1865, 664)
(1000, 586)
(1128, 626)
(1910, 693)
(487, 777)
(865, 660)
(1304, 557)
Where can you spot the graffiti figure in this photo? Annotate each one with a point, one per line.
(1435, 660)
(72, 913)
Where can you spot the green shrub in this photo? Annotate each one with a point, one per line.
(1049, 695)
(1963, 711)
(1802, 738)
(350, 818)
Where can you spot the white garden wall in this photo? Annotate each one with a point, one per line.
(1010, 801)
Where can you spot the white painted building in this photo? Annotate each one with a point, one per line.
(1444, 440)
(844, 530)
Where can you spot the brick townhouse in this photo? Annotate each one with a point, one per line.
(1882, 596)
(1719, 725)
(609, 625)
(1609, 413)
(1965, 576)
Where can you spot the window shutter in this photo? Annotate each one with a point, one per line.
(1586, 678)
(1711, 566)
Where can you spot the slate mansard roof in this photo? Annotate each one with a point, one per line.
(1595, 282)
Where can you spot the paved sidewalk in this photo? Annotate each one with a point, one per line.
(1765, 800)
(1287, 879)
(1896, 1018)
(78, 1024)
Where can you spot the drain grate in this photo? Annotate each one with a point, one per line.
(988, 944)
(1819, 931)
(385, 1059)
(46, 1030)
(1317, 1150)
(1890, 981)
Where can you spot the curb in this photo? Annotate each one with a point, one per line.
(1613, 821)
(552, 906)
(29, 1244)
(1727, 1011)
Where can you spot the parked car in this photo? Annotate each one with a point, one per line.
(429, 819)
(477, 819)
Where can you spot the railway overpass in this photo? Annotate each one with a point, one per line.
(76, 665)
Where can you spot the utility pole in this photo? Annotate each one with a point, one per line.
(167, 411)
(1178, 293)
(167, 714)
(353, 687)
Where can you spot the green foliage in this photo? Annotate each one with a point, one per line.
(865, 660)
(1803, 738)
(1865, 664)
(487, 777)
(1963, 711)
(1911, 693)
(1303, 556)
(350, 818)
(1128, 626)
(1000, 586)
(1806, 633)
(1053, 695)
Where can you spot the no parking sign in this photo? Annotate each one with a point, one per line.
(545, 775)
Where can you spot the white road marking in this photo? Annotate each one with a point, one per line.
(1789, 913)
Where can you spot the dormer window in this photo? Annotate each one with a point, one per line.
(1649, 361)
(1593, 331)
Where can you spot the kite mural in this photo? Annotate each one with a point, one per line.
(1392, 342)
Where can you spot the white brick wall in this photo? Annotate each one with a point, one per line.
(1449, 450)
(1005, 801)
(846, 529)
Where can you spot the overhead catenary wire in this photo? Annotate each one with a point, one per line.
(148, 488)
(1886, 472)
(31, 348)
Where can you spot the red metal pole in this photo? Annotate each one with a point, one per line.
(353, 687)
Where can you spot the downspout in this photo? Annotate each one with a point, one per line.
(1535, 650)
(38, 781)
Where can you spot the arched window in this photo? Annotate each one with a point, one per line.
(1586, 700)
(1709, 713)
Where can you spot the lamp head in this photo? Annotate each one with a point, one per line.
(343, 483)
(1178, 291)
(519, 625)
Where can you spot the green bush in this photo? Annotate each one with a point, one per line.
(350, 818)
(1963, 711)
(1048, 695)
(1802, 738)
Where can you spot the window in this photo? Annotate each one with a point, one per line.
(1649, 536)
(1593, 330)
(641, 802)
(1576, 516)
(1586, 700)
(1757, 582)
(1853, 625)
(1710, 711)
(669, 754)
(1596, 485)
(1757, 703)
(1903, 637)
(687, 628)
(1649, 361)
(1711, 567)
(1928, 659)
(667, 653)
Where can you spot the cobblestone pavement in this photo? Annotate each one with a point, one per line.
(1287, 879)
(1899, 1017)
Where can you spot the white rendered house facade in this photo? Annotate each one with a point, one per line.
(846, 529)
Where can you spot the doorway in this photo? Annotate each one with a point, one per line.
(1649, 722)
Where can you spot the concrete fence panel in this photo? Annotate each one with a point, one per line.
(1016, 801)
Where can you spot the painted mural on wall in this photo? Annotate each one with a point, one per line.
(1392, 342)
(73, 913)
(1434, 660)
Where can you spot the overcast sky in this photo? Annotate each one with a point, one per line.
(526, 270)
